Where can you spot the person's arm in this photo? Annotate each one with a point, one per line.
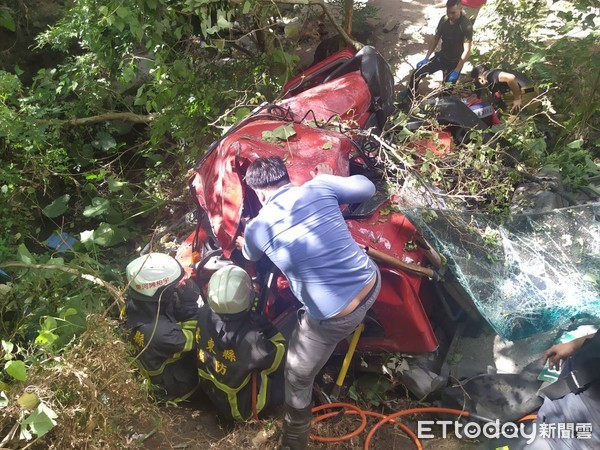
(250, 252)
(513, 84)
(247, 243)
(558, 353)
(467, 31)
(267, 353)
(464, 57)
(433, 42)
(352, 189)
(166, 339)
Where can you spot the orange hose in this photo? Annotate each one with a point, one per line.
(355, 410)
(352, 409)
(349, 436)
(411, 411)
(529, 417)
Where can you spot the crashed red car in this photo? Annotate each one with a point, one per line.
(318, 121)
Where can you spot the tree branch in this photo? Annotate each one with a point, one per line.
(115, 293)
(119, 116)
(351, 42)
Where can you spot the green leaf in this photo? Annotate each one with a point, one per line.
(105, 236)
(46, 338)
(590, 277)
(222, 21)
(388, 210)
(98, 207)
(39, 422)
(24, 255)
(49, 324)
(575, 144)
(403, 134)
(68, 312)
(58, 207)
(104, 141)
(16, 369)
(246, 8)
(123, 12)
(219, 44)
(115, 185)
(6, 20)
(242, 113)
(180, 67)
(327, 145)
(282, 133)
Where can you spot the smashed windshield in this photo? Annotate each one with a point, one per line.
(527, 273)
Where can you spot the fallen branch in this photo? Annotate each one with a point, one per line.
(115, 293)
(351, 42)
(113, 116)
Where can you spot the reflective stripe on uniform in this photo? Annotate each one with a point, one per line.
(189, 343)
(231, 393)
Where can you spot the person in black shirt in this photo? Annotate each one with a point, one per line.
(508, 87)
(455, 31)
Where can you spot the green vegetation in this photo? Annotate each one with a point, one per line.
(97, 146)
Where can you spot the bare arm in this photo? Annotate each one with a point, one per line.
(556, 354)
(432, 45)
(464, 57)
(511, 80)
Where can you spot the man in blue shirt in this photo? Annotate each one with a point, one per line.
(302, 230)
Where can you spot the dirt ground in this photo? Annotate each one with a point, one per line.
(400, 33)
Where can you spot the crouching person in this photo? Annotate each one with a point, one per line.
(511, 90)
(239, 352)
(161, 314)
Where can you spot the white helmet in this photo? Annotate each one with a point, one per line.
(149, 273)
(229, 290)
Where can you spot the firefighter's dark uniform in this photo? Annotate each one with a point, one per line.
(230, 348)
(161, 335)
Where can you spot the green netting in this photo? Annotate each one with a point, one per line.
(527, 274)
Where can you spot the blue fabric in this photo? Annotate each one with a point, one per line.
(302, 230)
(453, 76)
(311, 345)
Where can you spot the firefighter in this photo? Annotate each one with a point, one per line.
(161, 315)
(239, 352)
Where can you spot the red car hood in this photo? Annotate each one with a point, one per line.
(218, 184)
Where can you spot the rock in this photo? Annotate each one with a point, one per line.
(390, 25)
